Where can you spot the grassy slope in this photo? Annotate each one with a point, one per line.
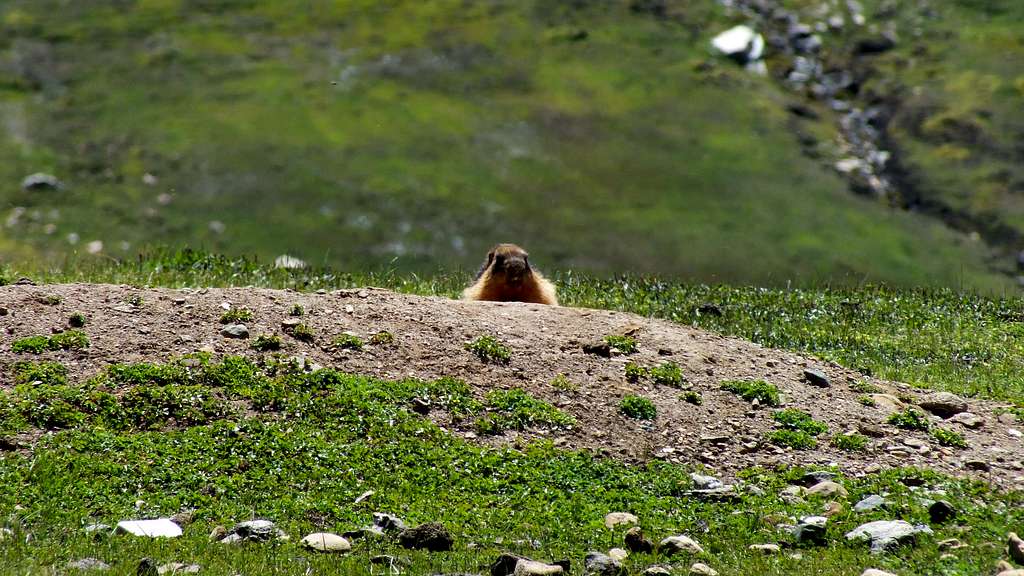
(450, 126)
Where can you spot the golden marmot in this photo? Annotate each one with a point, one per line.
(506, 276)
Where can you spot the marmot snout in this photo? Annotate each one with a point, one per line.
(506, 276)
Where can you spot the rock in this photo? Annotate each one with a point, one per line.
(253, 531)
(88, 564)
(869, 503)
(158, 528)
(887, 402)
(613, 519)
(827, 489)
(700, 569)
(1015, 548)
(941, 511)
(432, 536)
(679, 544)
(598, 564)
(968, 420)
(978, 465)
(793, 494)
(636, 542)
(40, 181)
(740, 43)
(874, 572)
(657, 570)
(527, 567)
(1015, 572)
(950, 544)
(95, 529)
(235, 331)
(289, 262)
(701, 482)
(816, 477)
(811, 529)
(178, 568)
(618, 554)
(875, 45)
(765, 548)
(326, 542)
(388, 522)
(598, 348)
(869, 429)
(886, 534)
(944, 404)
(816, 378)
(218, 533)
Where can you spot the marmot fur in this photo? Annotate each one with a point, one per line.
(506, 276)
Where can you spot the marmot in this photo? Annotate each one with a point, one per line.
(506, 276)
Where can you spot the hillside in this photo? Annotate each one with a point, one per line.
(602, 135)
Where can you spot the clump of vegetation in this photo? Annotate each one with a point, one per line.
(77, 320)
(792, 419)
(562, 382)
(135, 300)
(236, 315)
(148, 407)
(624, 344)
(516, 410)
(667, 374)
(692, 397)
(452, 394)
(635, 372)
(144, 373)
(49, 299)
(867, 400)
(796, 439)
(864, 387)
(948, 437)
(301, 332)
(751, 390)
(57, 406)
(850, 442)
(68, 340)
(267, 342)
(910, 419)
(638, 407)
(382, 338)
(52, 373)
(347, 342)
(488, 349)
(297, 310)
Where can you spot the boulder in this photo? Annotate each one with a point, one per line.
(678, 545)
(827, 489)
(636, 542)
(944, 404)
(887, 534)
(598, 564)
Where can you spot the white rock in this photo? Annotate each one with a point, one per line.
(526, 567)
(158, 528)
(178, 568)
(699, 569)
(618, 554)
(326, 542)
(675, 544)
(613, 519)
(740, 42)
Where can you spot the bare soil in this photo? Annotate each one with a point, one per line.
(725, 433)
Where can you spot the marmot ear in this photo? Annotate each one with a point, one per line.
(490, 258)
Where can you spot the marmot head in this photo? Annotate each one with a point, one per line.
(508, 263)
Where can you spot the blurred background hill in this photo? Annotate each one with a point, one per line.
(603, 135)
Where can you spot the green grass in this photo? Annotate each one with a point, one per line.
(561, 382)
(751, 390)
(793, 419)
(667, 374)
(635, 372)
(77, 320)
(692, 397)
(236, 315)
(489, 349)
(796, 439)
(910, 419)
(53, 373)
(516, 410)
(68, 340)
(267, 343)
(948, 437)
(301, 332)
(850, 442)
(382, 338)
(297, 310)
(624, 344)
(347, 342)
(638, 407)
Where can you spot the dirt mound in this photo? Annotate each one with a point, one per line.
(724, 432)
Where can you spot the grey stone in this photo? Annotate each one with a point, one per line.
(869, 503)
(88, 565)
(701, 569)
(817, 378)
(944, 404)
(254, 531)
(41, 181)
(827, 489)
(702, 482)
(811, 529)
(527, 567)
(740, 43)
(1015, 547)
(657, 570)
(598, 564)
(235, 331)
(886, 534)
(178, 568)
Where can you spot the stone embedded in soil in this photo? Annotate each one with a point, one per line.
(887, 534)
(636, 542)
(827, 489)
(968, 420)
(702, 482)
(701, 569)
(811, 529)
(88, 565)
(432, 536)
(178, 568)
(235, 331)
(598, 564)
(618, 554)
(944, 404)
(326, 542)
(158, 528)
(679, 544)
(887, 402)
(657, 570)
(598, 348)
(254, 531)
(1015, 547)
(765, 548)
(869, 503)
(613, 519)
(817, 378)
(527, 567)
(941, 511)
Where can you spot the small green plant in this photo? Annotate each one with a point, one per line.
(301, 332)
(267, 342)
(297, 310)
(488, 349)
(909, 419)
(382, 338)
(53, 373)
(667, 374)
(638, 407)
(751, 390)
(515, 410)
(49, 299)
(692, 397)
(850, 442)
(867, 400)
(864, 387)
(562, 382)
(796, 439)
(347, 342)
(136, 300)
(948, 437)
(236, 315)
(68, 340)
(624, 344)
(635, 372)
(792, 419)
(77, 320)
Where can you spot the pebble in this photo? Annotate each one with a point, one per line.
(326, 542)
(968, 420)
(235, 331)
(943, 404)
(817, 378)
